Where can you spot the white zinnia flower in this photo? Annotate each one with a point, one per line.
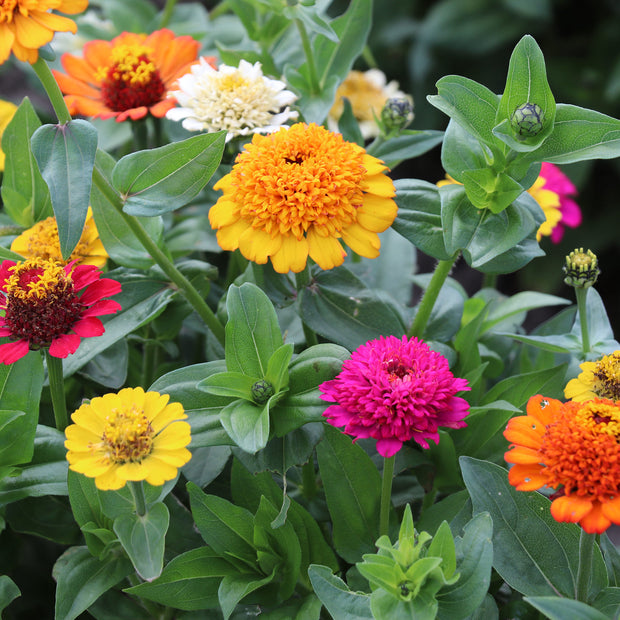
(240, 100)
(367, 91)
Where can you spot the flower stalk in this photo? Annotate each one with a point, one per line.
(305, 41)
(581, 295)
(386, 495)
(57, 390)
(137, 493)
(584, 570)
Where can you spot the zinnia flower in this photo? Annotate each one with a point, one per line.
(27, 25)
(367, 91)
(551, 190)
(600, 379)
(42, 240)
(47, 304)
(395, 390)
(572, 447)
(296, 192)
(239, 100)
(7, 112)
(131, 435)
(127, 77)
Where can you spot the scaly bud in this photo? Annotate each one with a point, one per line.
(581, 269)
(527, 120)
(262, 391)
(397, 113)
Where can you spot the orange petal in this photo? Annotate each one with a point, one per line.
(570, 508)
(595, 522)
(611, 509)
(522, 455)
(527, 477)
(29, 33)
(525, 431)
(543, 408)
(72, 6)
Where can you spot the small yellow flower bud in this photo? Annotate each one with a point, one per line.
(581, 268)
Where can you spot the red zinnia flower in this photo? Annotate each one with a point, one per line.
(47, 304)
(395, 390)
(572, 447)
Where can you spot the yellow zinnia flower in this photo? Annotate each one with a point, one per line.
(296, 192)
(133, 435)
(41, 240)
(7, 111)
(27, 25)
(600, 379)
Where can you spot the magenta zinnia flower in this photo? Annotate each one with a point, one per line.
(50, 305)
(394, 390)
(556, 181)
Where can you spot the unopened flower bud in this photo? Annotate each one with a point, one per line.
(581, 269)
(262, 391)
(397, 113)
(527, 120)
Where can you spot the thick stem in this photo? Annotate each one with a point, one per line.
(430, 297)
(305, 41)
(581, 294)
(386, 495)
(139, 499)
(584, 570)
(52, 89)
(167, 13)
(57, 390)
(302, 280)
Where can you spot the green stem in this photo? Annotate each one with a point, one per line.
(140, 133)
(219, 9)
(386, 495)
(584, 570)
(57, 390)
(430, 297)
(581, 294)
(302, 280)
(139, 499)
(167, 13)
(315, 87)
(175, 276)
(52, 89)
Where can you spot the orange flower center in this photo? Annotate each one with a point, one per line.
(41, 303)
(127, 435)
(296, 178)
(131, 80)
(581, 449)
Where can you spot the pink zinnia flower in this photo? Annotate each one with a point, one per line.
(394, 390)
(48, 304)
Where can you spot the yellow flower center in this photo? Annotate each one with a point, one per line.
(601, 416)
(127, 435)
(606, 375)
(36, 279)
(232, 82)
(296, 178)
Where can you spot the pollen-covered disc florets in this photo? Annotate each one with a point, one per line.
(598, 379)
(581, 269)
(50, 305)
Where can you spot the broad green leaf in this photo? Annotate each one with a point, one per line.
(129, 17)
(190, 581)
(65, 155)
(143, 538)
(229, 384)
(409, 144)
(81, 579)
(234, 588)
(8, 591)
(252, 330)
(336, 596)
(308, 15)
(461, 151)
(533, 553)
(247, 424)
(25, 195)
(160, 180)
(488, 190)
(559, 608)
(348, 125)
(445, 508)
(353, 492)
(608, 602)
(277, 367)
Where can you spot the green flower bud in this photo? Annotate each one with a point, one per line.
(527, 120)
(262, 391)
(397, 113)
(581, 269)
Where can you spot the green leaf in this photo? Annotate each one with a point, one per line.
(65, 155)
(234, 588)
(310, 18)
(526, 83)
(558, 608)
(409, 144)
(533, 553)
(252, 330)
(119, 241)
(608, 602)
(442, 546)
(143, 538)
(230, 384)
(25, 195)
(190, 581)
(336, 596)
(353, 492)
(277, 367)
(461, 151)
(488, 190)
(81, 579)
(8, 591)
(348, 125)
(247, 424)
(160, 180)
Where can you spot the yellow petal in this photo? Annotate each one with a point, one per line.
(377, 214)
(133, 471)
(257, 245)
(373, 165)
(80, 436)
(379, 184)
(228, 236)
(362, 241)
(292, 255)
(223, 213)
(174, 436)
(110, 481)
(326, 252)
(176, 458)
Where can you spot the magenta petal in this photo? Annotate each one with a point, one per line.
(12, 351)
(90, 326)
(64, 345)
(4, 331)
(571, 213)
(388, 447)
(105, 306)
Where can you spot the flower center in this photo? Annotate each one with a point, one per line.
(397, 370)
(607, 377)
(131, 80)
(41, 301)
(581, 449)
(297, 178)
(232, 82)
(7, 8)
(127, 435)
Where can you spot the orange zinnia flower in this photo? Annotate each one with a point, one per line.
(571, 447)
(127, 77)
(27, 25)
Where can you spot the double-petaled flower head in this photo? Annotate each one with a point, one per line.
(50, 305)
(27, 25)
(573, 448)
(395, 390)
(598, 379)
(297, 193)
(127, 77)
(131, 435)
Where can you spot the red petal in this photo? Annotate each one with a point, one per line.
(83, 275)
(105, 306)
(64, 345)
(12, 351)
(98, 290)
(88, 327)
